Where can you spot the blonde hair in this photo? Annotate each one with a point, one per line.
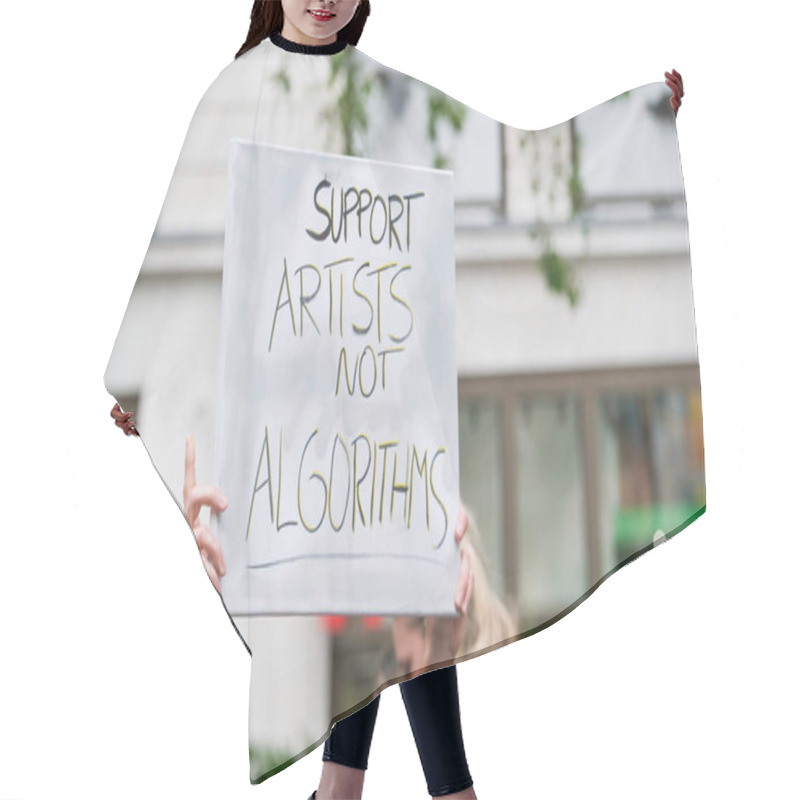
(489, 622)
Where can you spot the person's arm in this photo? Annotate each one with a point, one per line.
(675, 82)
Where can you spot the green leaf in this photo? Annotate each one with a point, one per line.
(559, 275)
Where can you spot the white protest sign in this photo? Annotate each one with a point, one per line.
(336, 440)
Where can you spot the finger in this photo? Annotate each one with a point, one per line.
(673, 88)
(462, 523)
(121, 417)
(210, 496)
(211, 546)
(468, 592)
(212, 574)
(189, 478)
(195, 499)
(675, 80)
(463, 581)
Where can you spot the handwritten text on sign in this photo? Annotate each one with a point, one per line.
(337, 440)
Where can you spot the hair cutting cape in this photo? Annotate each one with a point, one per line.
(372, 305)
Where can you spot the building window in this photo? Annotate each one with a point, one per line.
(550, 491)
(481, 467)
(569, 475)
(650, 466)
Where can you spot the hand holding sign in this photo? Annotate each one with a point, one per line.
(194, 498)
(124, 420)
(443, 635)
(420, 642)
(675, 82)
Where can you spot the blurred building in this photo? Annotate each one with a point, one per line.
(580, 426)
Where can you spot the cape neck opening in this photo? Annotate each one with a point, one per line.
(309, 49)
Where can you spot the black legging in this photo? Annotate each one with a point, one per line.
(432, 706)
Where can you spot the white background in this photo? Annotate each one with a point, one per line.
(120, 674)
